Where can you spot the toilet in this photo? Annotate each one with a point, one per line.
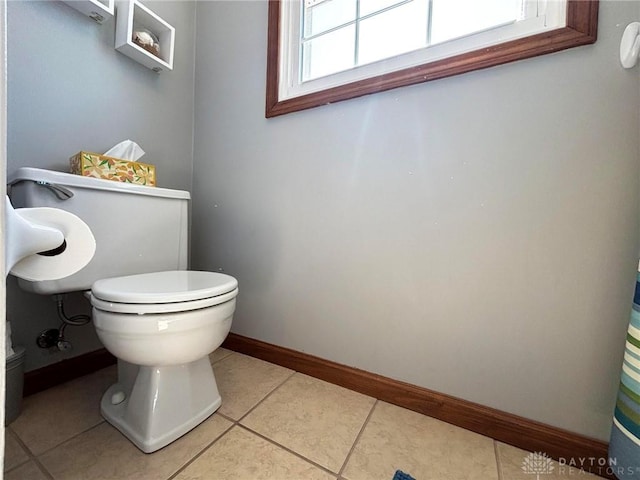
(161, 327)
(160, 320)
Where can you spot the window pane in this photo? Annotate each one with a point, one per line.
(448, 23)
(323, 15)
(329, 53)
(370, 6)
(396, 31)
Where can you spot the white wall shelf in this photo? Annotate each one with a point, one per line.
(98, 10)
(133, 16)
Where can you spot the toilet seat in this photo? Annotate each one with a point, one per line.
(163, 292)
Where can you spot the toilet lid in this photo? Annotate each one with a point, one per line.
(164, 287)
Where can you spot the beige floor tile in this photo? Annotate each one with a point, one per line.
(427, 449)
(50, 417)
(103, 453)
(219, 354)
(241, 455)
(28, 471)
(243, 381)
(14, 454)
(516, 464)
(316, 419)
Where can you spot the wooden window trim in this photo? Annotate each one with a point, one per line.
(581, 29)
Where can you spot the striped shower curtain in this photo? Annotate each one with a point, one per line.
(624, 448)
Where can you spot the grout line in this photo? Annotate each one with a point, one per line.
(355, 442)
(231, 352)
(226, 417)
(67, 440)
(277, 387)
(287, 449)
(200, 453)
(21, 445)
(42, 468)
(21, 442)
(337, 475)
(498, 463)
(31, 457)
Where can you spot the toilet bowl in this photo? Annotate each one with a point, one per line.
(162, 327)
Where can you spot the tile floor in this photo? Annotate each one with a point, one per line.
(274, 423)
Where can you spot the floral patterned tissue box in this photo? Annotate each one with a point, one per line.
(100, 166)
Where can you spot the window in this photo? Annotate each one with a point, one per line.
(338, 35)
(323, 51)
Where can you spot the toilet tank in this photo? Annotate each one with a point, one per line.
(138, 229)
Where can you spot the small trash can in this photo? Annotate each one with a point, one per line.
(15, 382)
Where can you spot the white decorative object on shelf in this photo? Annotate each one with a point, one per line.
(98, 10)
(144, 36)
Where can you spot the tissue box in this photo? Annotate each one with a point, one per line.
(100, 166)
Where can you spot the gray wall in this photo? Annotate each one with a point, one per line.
(476, 235)
(70, 90)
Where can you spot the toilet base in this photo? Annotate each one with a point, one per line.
(153, 406)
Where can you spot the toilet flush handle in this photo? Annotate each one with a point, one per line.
(58, 190)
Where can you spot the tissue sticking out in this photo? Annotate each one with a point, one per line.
(126, 150)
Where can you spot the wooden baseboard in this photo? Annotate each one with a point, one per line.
(505, 427)
(57, 373)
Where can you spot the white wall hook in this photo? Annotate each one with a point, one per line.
(630, 45)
